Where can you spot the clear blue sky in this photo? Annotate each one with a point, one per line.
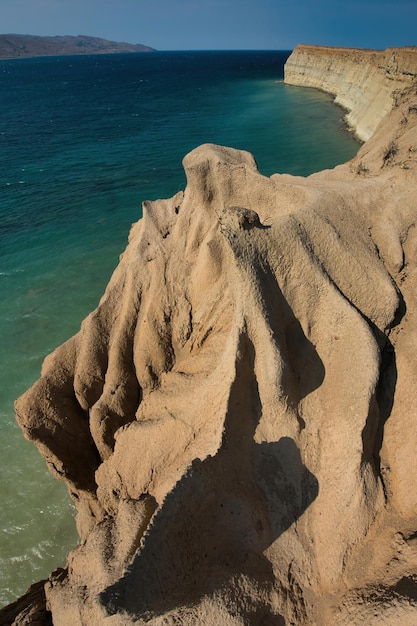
(219, 24)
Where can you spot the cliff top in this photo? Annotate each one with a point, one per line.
(235, 422)
(362, 51)
(363, 81)
(405, 56)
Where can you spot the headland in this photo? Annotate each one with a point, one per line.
(362, 81)
(235, 422)
(23, 46)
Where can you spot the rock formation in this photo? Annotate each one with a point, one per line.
(362, 80)
(236, 420)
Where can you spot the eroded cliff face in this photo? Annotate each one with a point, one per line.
(362, 80)
(236, 420)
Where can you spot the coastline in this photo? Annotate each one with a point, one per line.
(213, 363)
(362, 81)
(38, 308)
(15, 46)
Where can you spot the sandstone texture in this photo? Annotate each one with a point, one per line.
(362, 80)
(236, 421)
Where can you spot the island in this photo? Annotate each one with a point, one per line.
(236, 421)
(23, 46)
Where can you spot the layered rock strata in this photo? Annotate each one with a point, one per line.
(236, 420)
(362, 81)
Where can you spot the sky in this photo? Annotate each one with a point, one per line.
(220, 24)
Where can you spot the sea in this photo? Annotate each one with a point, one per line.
(83, 141)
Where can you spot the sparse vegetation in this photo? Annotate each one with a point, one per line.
(362, 169)
(390, 152)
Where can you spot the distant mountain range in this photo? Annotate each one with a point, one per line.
(17, 46)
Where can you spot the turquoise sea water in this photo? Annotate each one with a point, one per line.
(83, 141)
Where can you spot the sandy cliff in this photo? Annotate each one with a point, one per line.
(361, 80)
(236, 420)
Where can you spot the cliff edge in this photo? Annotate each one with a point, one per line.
(362, 81)
(236, 420)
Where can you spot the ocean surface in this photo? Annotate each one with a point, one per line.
(83, 141)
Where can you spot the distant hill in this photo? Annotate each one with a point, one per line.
(18, 46)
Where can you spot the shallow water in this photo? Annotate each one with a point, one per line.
(84, 140)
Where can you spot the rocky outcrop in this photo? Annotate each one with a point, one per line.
(20, 46)
(361, 80)
(236, 420)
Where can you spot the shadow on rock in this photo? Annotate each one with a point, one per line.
(215, 525)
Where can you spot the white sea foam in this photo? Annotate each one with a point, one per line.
(21, 558)
(12, 530)
(11, 272)
(37, 553)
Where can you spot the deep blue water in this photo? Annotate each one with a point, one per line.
(83, 141)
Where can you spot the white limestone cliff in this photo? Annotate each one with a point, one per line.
(362, 81)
